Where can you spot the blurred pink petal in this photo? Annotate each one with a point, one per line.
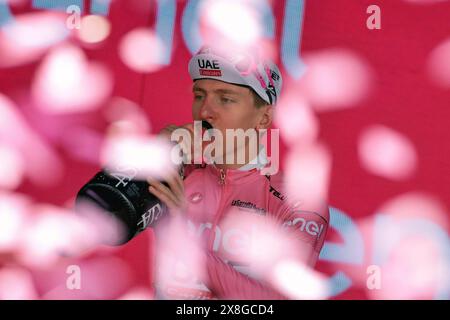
(417, 205)
(16, 284)
(13, 3)
(45, 238)
(141, 50)
(54, 232)
(413, 271)
(13, 216)
(66, 82)
(424, 2)
(138, 156)
(101, 227)
(179, 257)
(15, 131)
(335, 79)
(93, 29)
(387, 153)
(101, 278)
(416, 265)
(307, 176)
(299, 282)
(139, 293)
(11, 121)
(296, 120)
(45, 159)
(258, 242)
(82, 143)
(126, 116)
(12, 167)
(238, 21)
(439, 64)
(28, 37)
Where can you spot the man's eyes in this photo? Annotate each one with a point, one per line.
(226, 100)
(222, 99)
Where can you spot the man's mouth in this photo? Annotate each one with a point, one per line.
(206, 125)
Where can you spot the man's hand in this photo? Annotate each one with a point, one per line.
(173, 195)
(186, 141)
(167, 131)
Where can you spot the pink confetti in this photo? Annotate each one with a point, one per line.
(30, 35)
(387, 153)
(66, 82)
(439, 64)
(141, 50)
(335, 79)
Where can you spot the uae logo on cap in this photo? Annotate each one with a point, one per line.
(209, 68)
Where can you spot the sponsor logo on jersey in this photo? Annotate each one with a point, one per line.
(311, 227)
(276, 193)
(249, 206)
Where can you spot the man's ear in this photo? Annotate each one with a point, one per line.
(265, 117)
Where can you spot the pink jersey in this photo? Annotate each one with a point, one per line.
(212, 194)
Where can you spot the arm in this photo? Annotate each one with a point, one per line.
(227, 283)
(303, 237)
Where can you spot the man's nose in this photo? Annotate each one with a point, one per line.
(207, 110)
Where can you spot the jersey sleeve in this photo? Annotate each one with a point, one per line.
(308, 228)
(307, 224)
(227, 283)
(307, 231)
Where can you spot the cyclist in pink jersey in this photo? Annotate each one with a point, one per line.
(234, 91)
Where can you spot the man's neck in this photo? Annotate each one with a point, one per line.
(252, 157)
(228, 166)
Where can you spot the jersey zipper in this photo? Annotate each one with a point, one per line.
(223, 183)
(223, 176)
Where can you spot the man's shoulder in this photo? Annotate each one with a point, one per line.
(189, 168)
(287, 206)
(276, 187)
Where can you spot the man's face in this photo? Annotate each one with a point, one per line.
(227, 106)
(224, 105)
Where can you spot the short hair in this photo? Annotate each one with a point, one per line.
(258, 101)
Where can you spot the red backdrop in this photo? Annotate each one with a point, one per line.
(401, 96)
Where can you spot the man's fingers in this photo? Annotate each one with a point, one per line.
(164, 197)
(168, 130)
(180, 183)
(173, 178)
(190, 127)
(176, 184)
(175, 208)
(174, 193)
(163, 189)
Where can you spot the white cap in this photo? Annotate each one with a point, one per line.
(239, 68)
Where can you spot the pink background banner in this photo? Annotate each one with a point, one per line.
(374, 76)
